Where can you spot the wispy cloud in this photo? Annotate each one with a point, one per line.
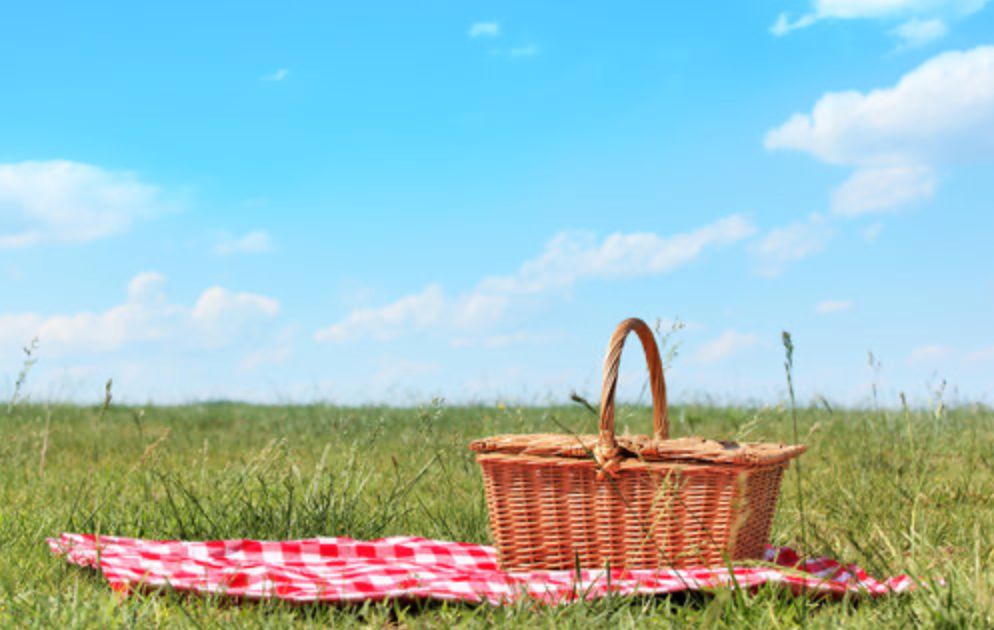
(571, 256)
(492, 30)
(871, 190)
(254, 242)
(62, 202)
(872, 232)
(984, 354)
(568, 258)
(790, 243)
(728, 343)
(833, 306)
(784, 24)
(408, 314)
(279, 75)
(484, 29)
(528, 50)
(919, 21)
(917, 32)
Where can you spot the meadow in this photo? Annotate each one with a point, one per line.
(895, 490)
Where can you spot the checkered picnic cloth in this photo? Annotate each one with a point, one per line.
(342, 569)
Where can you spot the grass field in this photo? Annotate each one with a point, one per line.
(895, 491)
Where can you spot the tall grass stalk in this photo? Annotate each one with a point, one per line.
(30, 359)
(788, 345)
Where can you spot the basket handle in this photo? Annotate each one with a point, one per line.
(607, 446)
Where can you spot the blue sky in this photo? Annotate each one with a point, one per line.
(385, 202)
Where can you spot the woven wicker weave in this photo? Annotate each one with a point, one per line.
(562, 501)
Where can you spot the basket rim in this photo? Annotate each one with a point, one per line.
(639, 448)
(630, 465)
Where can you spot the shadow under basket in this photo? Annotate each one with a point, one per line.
(638, 502)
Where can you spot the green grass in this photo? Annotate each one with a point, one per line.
(895, 491)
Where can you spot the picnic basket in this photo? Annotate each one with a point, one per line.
(638, 502)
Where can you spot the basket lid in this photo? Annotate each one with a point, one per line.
(642, 447)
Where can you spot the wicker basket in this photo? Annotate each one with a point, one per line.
(637, 502)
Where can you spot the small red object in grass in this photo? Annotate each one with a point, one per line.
(344, 570)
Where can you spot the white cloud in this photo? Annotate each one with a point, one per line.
(60, 202)
(484, 29)
(279, 75)
(528, 50)
(930, 353)
(922, 20)
(790, 243)
(918, 32)
(722, 347)
(568, 258)
(940, 112)
(83, 332)
(833, 306)
(219, 316)
(871, 190)
(254, 242)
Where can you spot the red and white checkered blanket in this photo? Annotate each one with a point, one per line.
(342, 569)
